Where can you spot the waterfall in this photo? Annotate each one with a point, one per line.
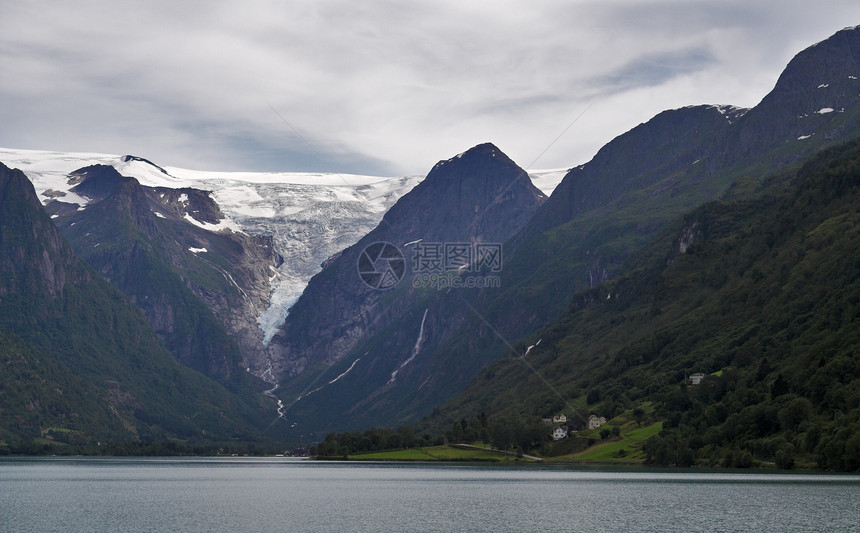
(415, 349)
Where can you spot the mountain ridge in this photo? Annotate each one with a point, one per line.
(81, 363)
(601, 213)
(754, 293)
(467, 200)
(196, 287)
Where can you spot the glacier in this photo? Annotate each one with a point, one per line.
(310, 216)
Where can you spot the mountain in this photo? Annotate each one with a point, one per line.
(599, 215)
(202, 291)
(606, 210)
(145, 227)
(614, 204)
(308, 217)
(474, 201)
(80, 362)
(757, 293)
(403, 311)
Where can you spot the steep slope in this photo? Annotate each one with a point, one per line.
(606, 209)
(80, 362)
(476, 199)
(201, 290)
(309, 216)
(759, 292)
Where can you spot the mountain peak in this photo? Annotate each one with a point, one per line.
(485, 195)
(13, 181)
(477, 154)
(479, 196)
(824, 75)
(97, 181)
(486, 148)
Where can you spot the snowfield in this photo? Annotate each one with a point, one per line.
(310, 216)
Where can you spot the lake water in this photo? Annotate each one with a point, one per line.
(280, 494)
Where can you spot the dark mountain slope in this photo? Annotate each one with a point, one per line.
(760, 292)
(80, 362)
(479, 197)
(666, 149)
(606, 209)
(814, 102)
(201, 290)
(599, 215)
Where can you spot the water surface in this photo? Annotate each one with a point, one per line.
(280, 494)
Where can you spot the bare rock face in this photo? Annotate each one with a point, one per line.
(35, 257)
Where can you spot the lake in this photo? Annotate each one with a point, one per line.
(282, 494)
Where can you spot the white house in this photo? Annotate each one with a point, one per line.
(594, 422)
(696, 378)
(559, 419)
(559, 433)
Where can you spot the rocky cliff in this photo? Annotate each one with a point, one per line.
(80, 362)
(201, 289)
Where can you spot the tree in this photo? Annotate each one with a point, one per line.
(779, 387)
(639, 415)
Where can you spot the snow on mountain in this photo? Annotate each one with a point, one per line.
(310, 216)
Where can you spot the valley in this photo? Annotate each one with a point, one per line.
(464, 306)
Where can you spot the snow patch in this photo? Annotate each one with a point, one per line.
(159, 215)
(198, 250)
(823, 86)
(825, 110)
(224, 224)
(802, 137)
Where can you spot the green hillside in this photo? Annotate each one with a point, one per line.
(759, 291)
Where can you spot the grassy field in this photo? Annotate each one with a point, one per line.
(415, 454)
(624, 449)
(438, 453)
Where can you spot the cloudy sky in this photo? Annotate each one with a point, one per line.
(380, 87)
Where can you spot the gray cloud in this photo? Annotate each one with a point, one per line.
(379, 86)
(652, 70)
